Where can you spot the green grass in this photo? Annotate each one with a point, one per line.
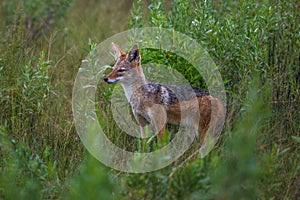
(255, 46)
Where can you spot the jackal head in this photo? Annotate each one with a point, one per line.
(127, 67)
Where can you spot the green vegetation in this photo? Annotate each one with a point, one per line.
(255, 44)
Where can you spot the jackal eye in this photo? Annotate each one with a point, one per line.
(122, 70)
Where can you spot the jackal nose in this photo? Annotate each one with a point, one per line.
(105, 79)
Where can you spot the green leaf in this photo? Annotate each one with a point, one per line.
(296, 138)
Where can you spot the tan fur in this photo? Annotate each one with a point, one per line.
(147, 106)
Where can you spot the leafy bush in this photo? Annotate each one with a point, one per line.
(245, 38)
(24, 175)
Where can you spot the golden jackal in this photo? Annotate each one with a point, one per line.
(156, 104)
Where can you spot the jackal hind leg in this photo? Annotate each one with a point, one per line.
(205, 117)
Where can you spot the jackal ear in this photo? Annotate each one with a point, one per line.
(134, 54)
(118, 52)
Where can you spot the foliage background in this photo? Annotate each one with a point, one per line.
(255, 44)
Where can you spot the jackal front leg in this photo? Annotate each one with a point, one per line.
(158, 119)
(142, 121)
(142, 130)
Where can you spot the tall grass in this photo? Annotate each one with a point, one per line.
(255, 45)
(39, 58)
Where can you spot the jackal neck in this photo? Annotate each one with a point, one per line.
(136, 80)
